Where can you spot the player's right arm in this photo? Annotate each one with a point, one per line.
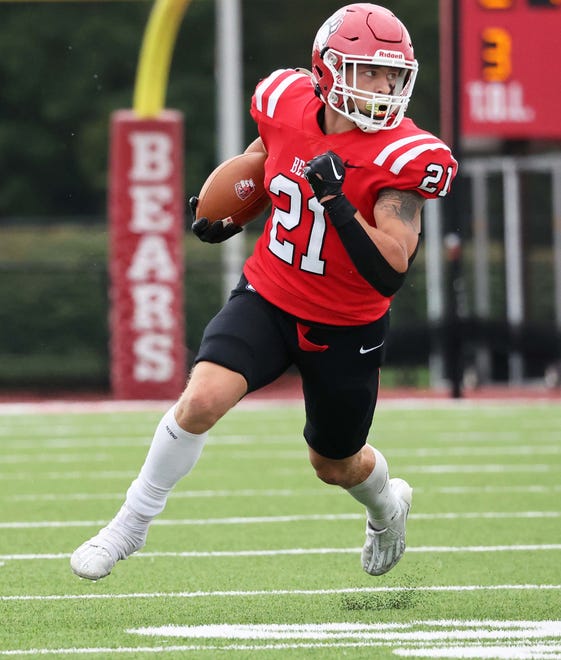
(217, 232)
(256, 146)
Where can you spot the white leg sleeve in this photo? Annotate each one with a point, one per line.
(172, 455)
(376, 495)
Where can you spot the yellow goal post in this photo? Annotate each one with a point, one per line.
(155, 57)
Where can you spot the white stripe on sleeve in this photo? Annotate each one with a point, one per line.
(275, 96)
(411, 154)
(264, 85)
(394, 146)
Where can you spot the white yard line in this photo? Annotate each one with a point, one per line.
(549, 651)
(284, 492)
(86, 442)
(285, 592)
(180, 494)
(68, 475)
(462, 468)
(415, 631)
(63, 406)
(478, 468)
(109, 652)
(53, 457)
(433, 638)
(59, 452)
(479, 490)
(250, 520)
(525, 652)
(432, 549)
(494, 652)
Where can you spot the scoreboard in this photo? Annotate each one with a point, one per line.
(510, 68)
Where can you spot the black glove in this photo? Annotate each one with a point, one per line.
(325, 174)
(210, 232)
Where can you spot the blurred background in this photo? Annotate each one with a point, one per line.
(66, 66)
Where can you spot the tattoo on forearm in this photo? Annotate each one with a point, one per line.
(404, 204)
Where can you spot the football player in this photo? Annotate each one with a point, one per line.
(347, 173)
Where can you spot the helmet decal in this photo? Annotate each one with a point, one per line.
(331, 25)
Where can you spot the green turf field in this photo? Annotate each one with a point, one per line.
(255, 558)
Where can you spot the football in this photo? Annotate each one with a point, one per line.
(235, 190)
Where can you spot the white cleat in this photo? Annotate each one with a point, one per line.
(95, 558)
(92, 562)
(385, 547)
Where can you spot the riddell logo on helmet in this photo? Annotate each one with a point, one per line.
(389, 54)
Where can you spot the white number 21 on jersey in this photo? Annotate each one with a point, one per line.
(289, 220)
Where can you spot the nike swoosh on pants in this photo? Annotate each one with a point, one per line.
(368, 350)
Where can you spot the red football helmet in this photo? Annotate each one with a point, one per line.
(363, 33)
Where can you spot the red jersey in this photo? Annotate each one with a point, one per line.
(299, 263)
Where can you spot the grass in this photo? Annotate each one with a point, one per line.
(251, 541)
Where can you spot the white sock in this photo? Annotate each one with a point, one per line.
(376, 495)
(172, 455)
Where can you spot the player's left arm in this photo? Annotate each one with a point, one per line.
(397, 214)
(381, 254)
